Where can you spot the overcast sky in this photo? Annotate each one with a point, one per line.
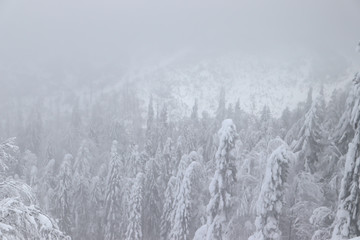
(46, 34)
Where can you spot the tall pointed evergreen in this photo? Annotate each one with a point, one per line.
(134, 229)
(194, 112)
(238, 115)
(310, 139)
(81, 189)
(271, 200)
(152, 201)
(62, 197)
(220, 186)
(150, 130)
(163, 126)
(346, 223)
(221, 110)
(180, 229)
(150, 119)
(309, 100)
(113, 201)
(168, 209)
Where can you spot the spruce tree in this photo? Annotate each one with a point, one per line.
(220, 186)
(63, 195)
(346, 223)
(152, 201)
(171, 192)
(113, 201)
(310, 139)
(81, 189)
(150, 129)
(194, 112)
(221, 110)
(181, 220)
(134, 229)
(270, 201)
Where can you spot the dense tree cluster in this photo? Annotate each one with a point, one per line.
(106, 167)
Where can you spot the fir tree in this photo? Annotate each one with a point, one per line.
(180, 227)
(346, 222)
(221, 110)
(265, 122)
(286, 120)
(113, 211)
(33, 132)
(152, 201)
(238, 115)
(220, 186)
(9, 153)
(322, 104)
(63, 195)
(310, 139)
(309, 100)
(194, 113)
(270, 201)
(150, 129)
(166, 218)
(344, 131)
(134, 229)
(81, 189)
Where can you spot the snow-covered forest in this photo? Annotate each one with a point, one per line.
(227, 145)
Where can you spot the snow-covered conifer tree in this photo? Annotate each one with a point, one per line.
(344, 131)
(310, 137)
(270, 201)
(266, 122)
(309, 100)
(322, 105)
(171, 192)
(28, 161)
(97, 199)
(47, 185)
(21, 221)
(134, 162)
(334, 110)
(238, 115)
(152, 201)
(9, 152)
(194, 113)
(150, 129)
(221, 110)
(180, 226)
(33, 131)
(81, 189)
(134, 229)
(346, 223)
(63, 195)
(113, 210)
(220, 186)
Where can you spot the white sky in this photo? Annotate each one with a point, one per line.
(73, 29)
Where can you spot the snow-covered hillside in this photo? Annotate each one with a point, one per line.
(255, 81)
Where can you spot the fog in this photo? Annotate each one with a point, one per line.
(93, 37)
(178, 120)
(73, 33)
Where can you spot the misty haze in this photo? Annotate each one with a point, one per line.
(179, 120)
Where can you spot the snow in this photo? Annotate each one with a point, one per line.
(270, 201)
(345, 222)
(5, 227)
(201, 233)
(44, 222)
(254, 81)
